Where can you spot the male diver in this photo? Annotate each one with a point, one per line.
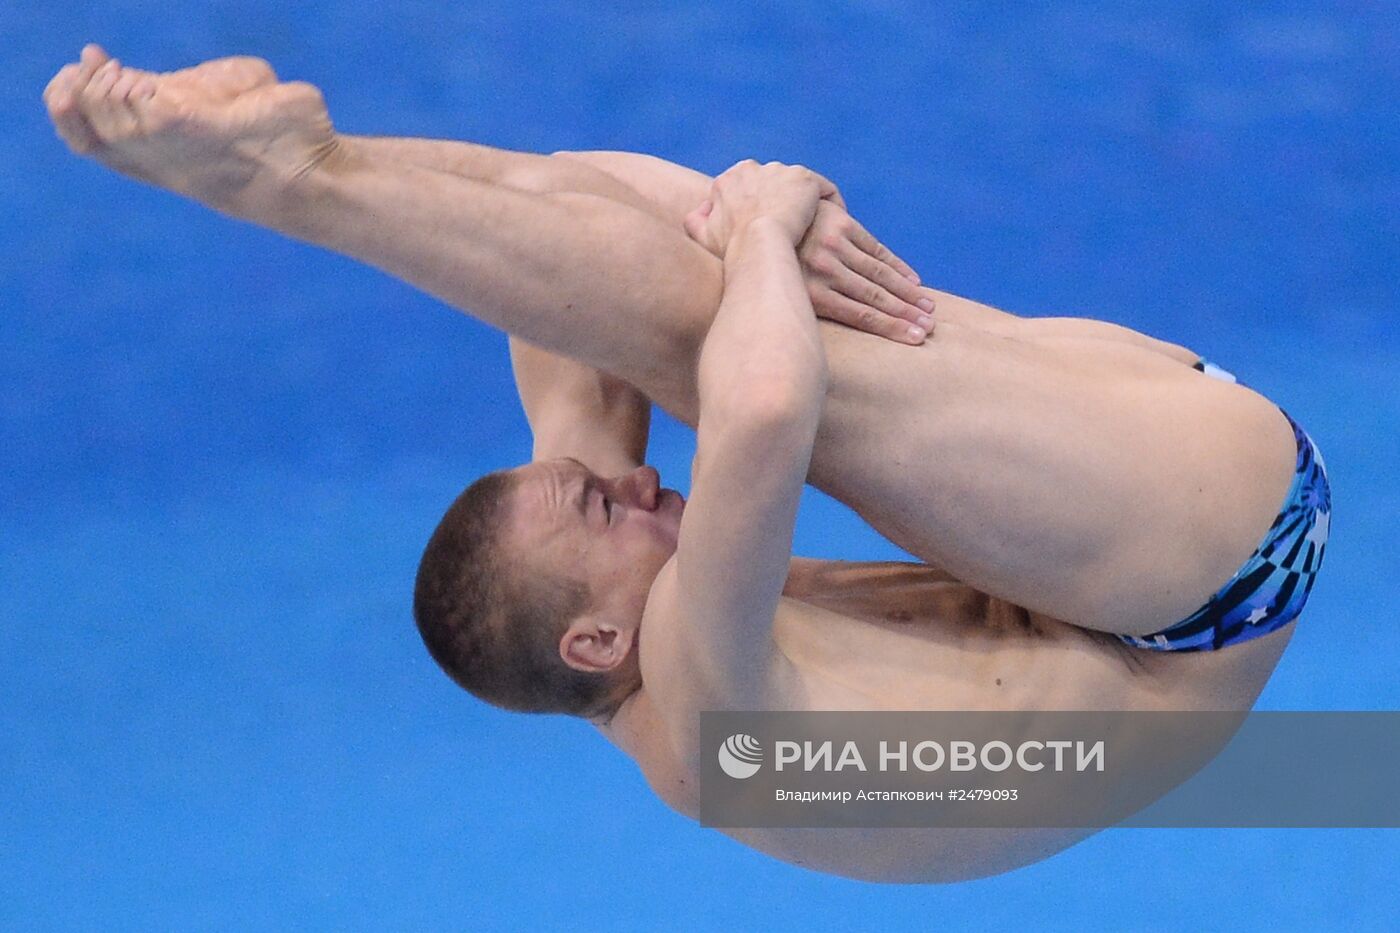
(1099, 519)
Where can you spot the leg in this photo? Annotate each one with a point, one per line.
(1085, 479)
(525, 171)
(269, 155)
(584, 275)
(668, 191)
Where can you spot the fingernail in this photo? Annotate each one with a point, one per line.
(912, 276)
(917, 334)
(926, 321)
(926, 305)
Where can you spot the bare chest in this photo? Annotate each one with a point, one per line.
(898, 637)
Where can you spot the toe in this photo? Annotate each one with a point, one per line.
(145, 87)
(87, 66)
(102, 81)
(125, 84)
(60, 88)
(73, 127)
(94, 56)
(96, 109)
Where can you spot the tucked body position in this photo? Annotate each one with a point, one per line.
(1103, 520)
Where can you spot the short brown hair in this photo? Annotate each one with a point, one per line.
(490, 630)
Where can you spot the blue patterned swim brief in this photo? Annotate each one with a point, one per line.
(1270, 589)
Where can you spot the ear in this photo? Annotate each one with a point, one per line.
(594, 644)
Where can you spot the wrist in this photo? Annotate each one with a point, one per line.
(763, 230)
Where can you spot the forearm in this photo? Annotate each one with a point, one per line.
(764, 340)
(575, 274)
(762, 389)
(577, 411)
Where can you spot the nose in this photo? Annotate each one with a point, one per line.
(643, 485)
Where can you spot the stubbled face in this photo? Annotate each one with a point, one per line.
(615, 534)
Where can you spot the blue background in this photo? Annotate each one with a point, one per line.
(221, 452)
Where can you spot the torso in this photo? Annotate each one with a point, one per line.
(909, 637)
(906, 637)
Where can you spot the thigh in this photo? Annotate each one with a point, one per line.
(967, 313)
(1087, 329)
(1206, 466)
(1090, 480)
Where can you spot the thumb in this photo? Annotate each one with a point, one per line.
(697, 220)
(829, 191)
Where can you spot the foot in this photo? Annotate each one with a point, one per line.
(225, 133)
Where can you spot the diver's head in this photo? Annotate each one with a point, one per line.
(531, 591)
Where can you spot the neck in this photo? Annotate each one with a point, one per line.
(622, 725)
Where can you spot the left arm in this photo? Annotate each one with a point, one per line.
(762, 381)
(580, 412)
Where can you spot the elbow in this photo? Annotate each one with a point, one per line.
(784, 384)
(771, 403)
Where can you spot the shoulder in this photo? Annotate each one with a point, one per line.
(679, 676)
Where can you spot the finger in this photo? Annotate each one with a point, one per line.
(834, 306)
(700, 227)
(873, 247)
(883, 274)
(825, 189)
(871, 285)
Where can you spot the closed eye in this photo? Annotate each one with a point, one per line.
(607, 504)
